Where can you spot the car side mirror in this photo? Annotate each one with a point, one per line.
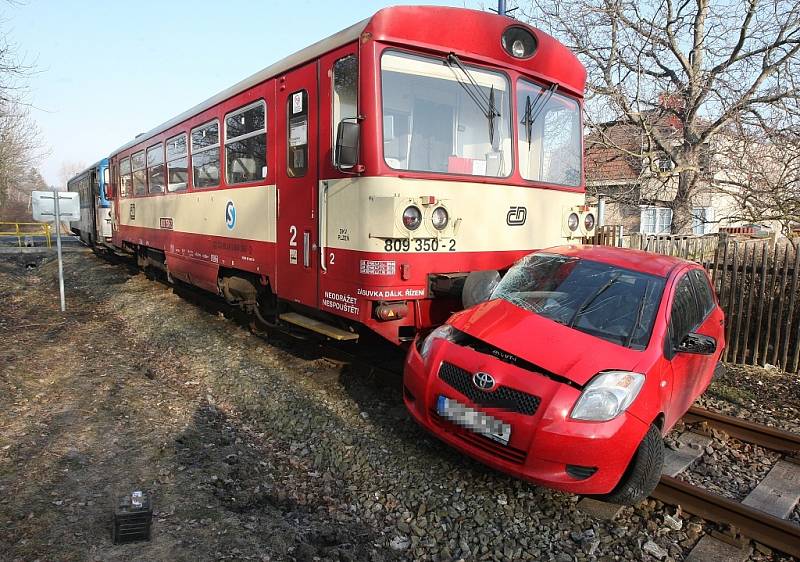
(348, 134)
(698, 344)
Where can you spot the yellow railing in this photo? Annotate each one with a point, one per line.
(39, 229)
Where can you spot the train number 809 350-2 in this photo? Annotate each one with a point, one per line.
(419, 245)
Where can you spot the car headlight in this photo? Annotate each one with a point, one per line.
(412, 217)
(443, 332)
(573, 221)
(439, 218)
(607, 396)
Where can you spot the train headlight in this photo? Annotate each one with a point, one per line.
(440, 218)
(412, 217)
(519, 42)
(588, 221)
(573, 221)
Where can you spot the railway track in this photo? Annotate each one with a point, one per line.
(743, 521)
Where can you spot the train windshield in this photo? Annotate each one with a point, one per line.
(442, 116)
(549, 134)
(615, 304)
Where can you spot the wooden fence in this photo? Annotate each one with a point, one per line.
(757, 284)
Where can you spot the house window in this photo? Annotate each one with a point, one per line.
(655, 220)
(664, 163)
(702, 220)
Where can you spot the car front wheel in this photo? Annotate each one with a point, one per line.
(643, 472)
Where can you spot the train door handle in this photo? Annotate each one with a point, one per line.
(306, 249)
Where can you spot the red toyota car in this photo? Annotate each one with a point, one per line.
(571, 372)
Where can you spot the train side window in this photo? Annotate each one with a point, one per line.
(155, 168)
(246, 144)
(297, 135)
(205, 155)
(345, 95)
(138, 165)
(125, 179)
(177, 163)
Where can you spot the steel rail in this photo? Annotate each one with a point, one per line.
(780, 534)
(757, 434)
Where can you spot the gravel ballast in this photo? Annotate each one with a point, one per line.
(251, 451)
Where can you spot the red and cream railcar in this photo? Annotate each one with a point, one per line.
(358, 181)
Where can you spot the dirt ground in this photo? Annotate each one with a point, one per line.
(249, 451)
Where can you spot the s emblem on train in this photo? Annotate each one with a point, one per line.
(516, 216)
(230, 215)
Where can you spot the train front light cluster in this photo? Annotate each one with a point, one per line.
(440, 218)
(519, 42)
(412, 217)
(579, 222)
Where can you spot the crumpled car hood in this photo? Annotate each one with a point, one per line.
(554, 347)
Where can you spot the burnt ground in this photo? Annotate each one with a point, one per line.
(250, 450)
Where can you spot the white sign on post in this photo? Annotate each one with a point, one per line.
(44, 209)
(55, 206)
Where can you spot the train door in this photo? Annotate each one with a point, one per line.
(297, 257)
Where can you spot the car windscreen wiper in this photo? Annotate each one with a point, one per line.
(532, 110)
(591, 298)
(485, 104)
(639, 314)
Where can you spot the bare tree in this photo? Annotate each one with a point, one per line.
(68, 170)
(19, 146)
(759, 168)
(696, 66)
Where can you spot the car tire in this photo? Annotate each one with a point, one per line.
(643, 473)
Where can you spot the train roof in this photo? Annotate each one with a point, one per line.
(88, 169)
(422, 26)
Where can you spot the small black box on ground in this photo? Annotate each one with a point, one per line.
(133, 517)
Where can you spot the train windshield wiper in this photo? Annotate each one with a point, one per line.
(485, 103)
(532, 110)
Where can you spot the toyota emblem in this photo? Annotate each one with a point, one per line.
(484, 381)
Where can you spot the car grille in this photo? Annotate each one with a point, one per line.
(504, 452)
(504, 397)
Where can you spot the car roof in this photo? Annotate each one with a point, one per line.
(637, 260)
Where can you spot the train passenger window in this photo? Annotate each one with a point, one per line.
(138, 165)
(177, 163)
(125, 179)
(345, 94)
(297, 135)
(155, 168)
(549, 135)
(205, 155)
(246, 144)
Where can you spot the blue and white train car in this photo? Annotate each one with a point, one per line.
(94, 226)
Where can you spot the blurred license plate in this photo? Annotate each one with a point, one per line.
(473, 420)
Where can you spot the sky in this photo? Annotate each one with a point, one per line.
(106, 70)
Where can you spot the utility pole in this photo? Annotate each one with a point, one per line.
(501, 7)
